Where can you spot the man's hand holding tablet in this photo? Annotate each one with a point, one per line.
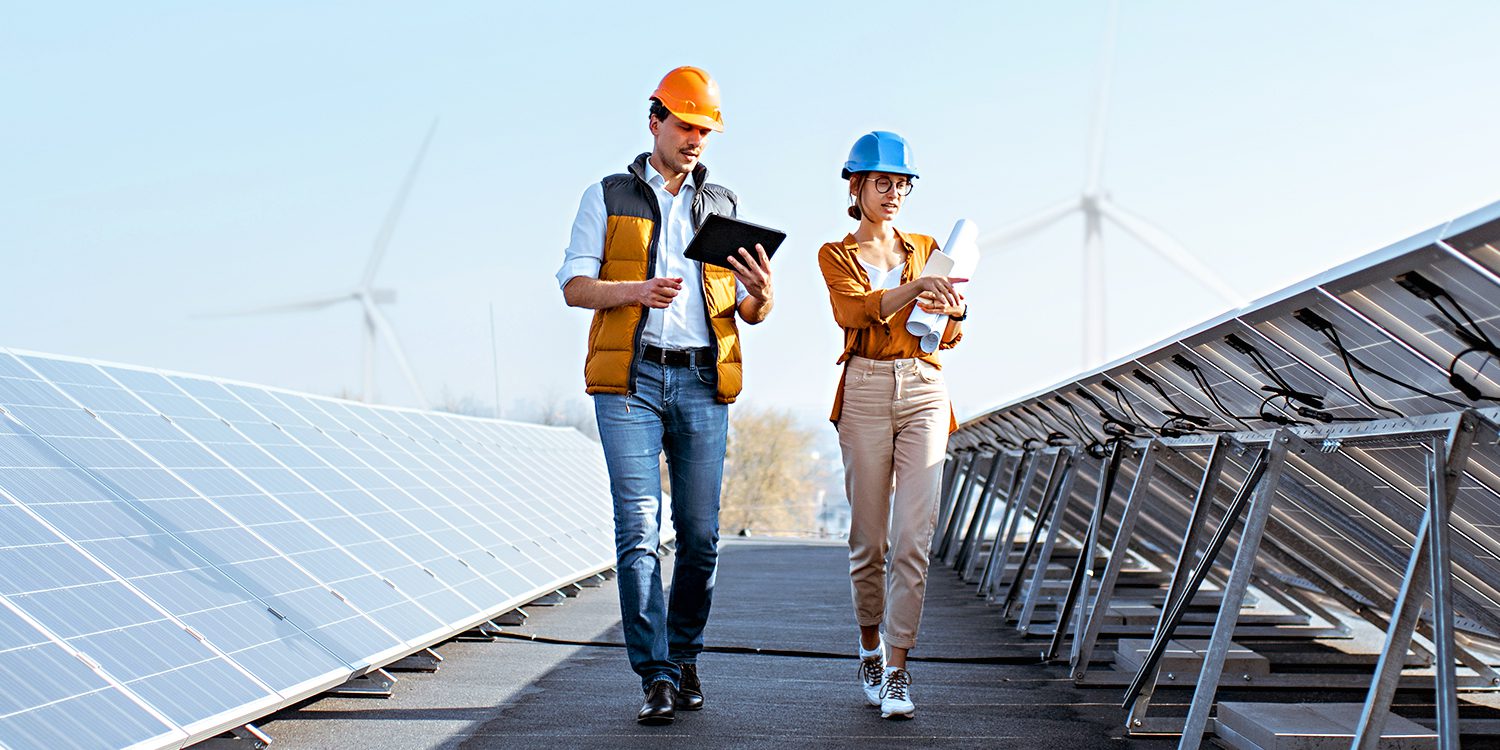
(721, 238)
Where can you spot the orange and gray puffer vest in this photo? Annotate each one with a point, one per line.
(631, 232)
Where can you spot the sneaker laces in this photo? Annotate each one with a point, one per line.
(872, 670)
(896, 685)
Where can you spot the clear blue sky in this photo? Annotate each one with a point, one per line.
(164, 160)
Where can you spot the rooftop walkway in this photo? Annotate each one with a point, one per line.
(777, 674)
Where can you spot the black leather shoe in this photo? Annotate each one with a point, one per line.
(690, 691)
(658, 706)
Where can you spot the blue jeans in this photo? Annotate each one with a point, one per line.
(672, 409)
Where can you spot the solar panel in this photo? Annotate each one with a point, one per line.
(481, 468)
(180, 555)
(148, 649)
(549, 483)
(44, 712)
(221, 511)
(1360, 357)
(149, 559)
(1365, 397)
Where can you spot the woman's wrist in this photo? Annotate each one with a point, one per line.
(961, 316)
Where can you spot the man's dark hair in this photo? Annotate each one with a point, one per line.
(658, 110)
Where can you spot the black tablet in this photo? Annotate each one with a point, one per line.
(720, 237)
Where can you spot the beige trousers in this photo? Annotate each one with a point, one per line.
(893, 427)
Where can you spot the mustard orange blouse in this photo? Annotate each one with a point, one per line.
(856, 308)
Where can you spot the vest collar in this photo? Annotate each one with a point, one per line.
(640, 169)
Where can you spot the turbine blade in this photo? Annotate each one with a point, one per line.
(1028, 226)
(1171, 250)
(303, 306)
(383, 327)
(1101, 102)
(393, 214)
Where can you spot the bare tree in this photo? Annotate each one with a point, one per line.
(555, 409)
(551, 409)
(466, 405)
(772, 474)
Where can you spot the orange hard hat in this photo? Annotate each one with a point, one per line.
(690, 94)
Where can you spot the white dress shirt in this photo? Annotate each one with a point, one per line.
(683, 324)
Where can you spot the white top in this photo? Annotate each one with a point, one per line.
(684, 323)
(884, 278)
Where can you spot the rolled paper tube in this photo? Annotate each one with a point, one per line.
(958, 259)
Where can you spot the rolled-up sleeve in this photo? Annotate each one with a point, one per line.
(953, 333)
(585, 253)
(854, 306)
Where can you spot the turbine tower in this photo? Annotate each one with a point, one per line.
(376, 328)
(1097, 208)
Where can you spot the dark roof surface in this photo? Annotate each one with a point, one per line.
(790, 601)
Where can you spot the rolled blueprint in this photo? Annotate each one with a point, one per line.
(958, 259)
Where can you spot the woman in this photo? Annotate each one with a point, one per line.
(892, 411)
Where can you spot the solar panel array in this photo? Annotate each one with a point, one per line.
(1333, 442)
(180, 555)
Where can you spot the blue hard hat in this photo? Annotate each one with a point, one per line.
(880, 151)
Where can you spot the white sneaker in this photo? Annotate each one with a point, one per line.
(895, 695)
(871, 675)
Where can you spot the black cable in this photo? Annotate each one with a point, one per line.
(1199, 422)
(1122, 424)
(1471, 334)
(1311, 405)
(752, 650)
(1021, 428)
(1126, 407)
(1151, 382)
(1264, 365)
(1054, 438)
(1277, 419)
(1473, 326)
(1208, 390)
(1127, 411)
(1351, 361)
(1332, 335)
(1463, 384)
(1095, 447)
(1084, 439)
(1077, 418)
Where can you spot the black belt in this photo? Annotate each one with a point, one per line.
(700, 357)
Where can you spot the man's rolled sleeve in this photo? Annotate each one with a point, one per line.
(585, 253)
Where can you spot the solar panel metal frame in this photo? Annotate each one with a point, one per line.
(1405, 335)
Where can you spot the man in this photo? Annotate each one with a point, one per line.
(663, 364)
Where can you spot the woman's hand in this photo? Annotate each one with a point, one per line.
(938, 291)
(931, 303)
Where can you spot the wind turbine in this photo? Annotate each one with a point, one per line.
(1096, 207)
(376, 327)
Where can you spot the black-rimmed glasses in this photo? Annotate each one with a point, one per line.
(884, 184)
